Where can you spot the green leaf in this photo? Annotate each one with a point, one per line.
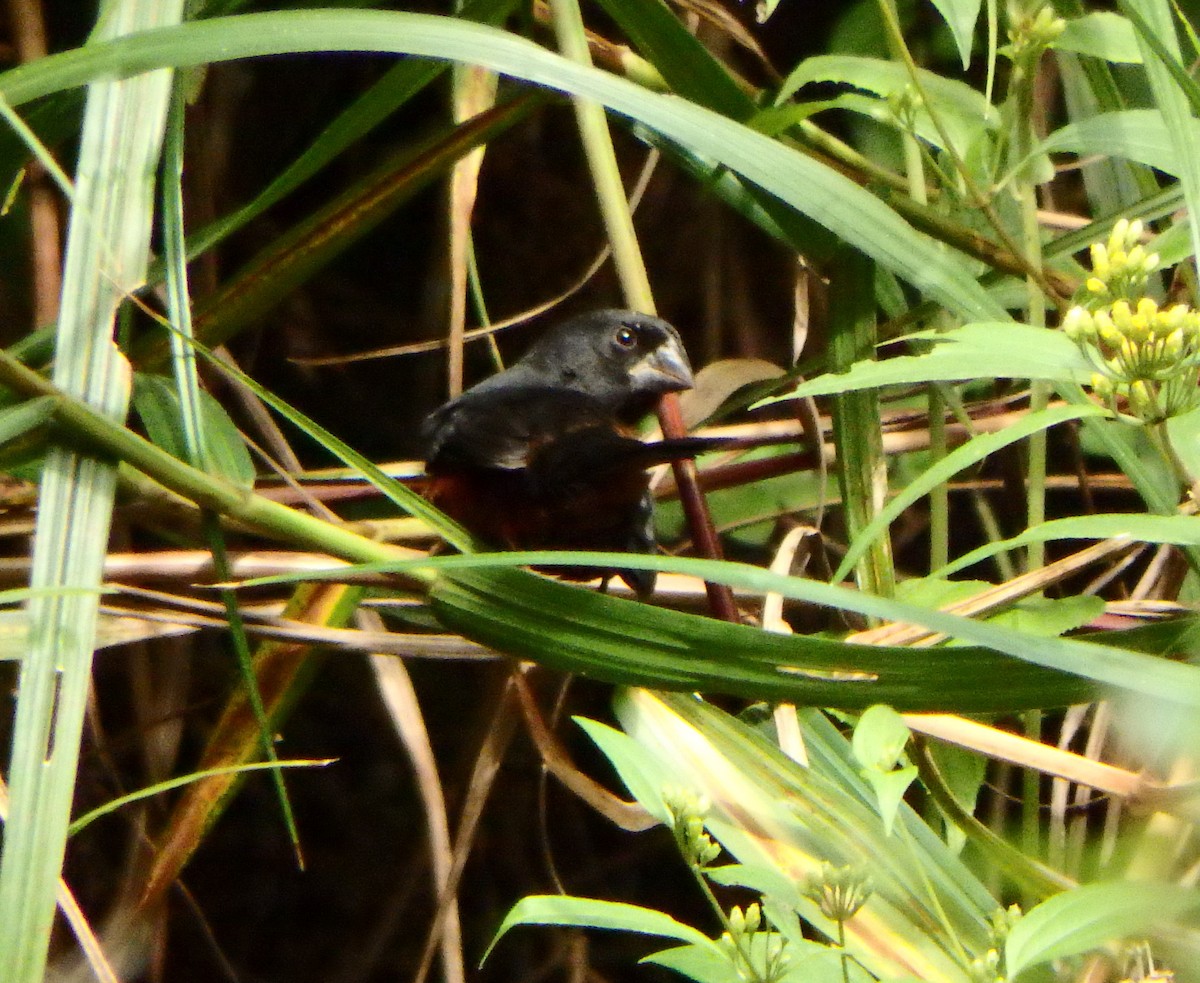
(1176, 94)
(606, 638)
(963, 772)
(77, 825)
(1004, 350)
(960, 16)
(878, 744)
(879, 738)
(1088, 917)
(972, 452)
(767, 881)
(756, 504)
(802, 182)
(1135, 134)
(688, 67)
(1180, 530)
(889, 78)
(157, 403)
(1044, 616)
(771, 812)
(1184, 432)
(702, 963)
(594, 913)
(889, 788)
(626, 642)
(962, 111)
(1174, 245)
(54, 120)
(811, 963)
(1101, 34)
(640, 773)
(18, 420)
(1049, 616)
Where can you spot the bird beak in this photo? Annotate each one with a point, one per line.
(663, 370)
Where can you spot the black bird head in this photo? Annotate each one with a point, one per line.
(623, 359)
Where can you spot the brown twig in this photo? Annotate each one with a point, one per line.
(704, 533)
(29, 33)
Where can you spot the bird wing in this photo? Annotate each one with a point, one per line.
(504, 427)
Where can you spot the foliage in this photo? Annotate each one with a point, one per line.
(996, 307)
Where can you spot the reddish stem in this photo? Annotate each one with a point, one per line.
(704, 534)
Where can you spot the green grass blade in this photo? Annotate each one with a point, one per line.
(856, 428)
(556, 909)
(107, 250)
(972, 452)
(803, 183)
(1179, 530)
(1176, 94)
(159, 788)
(688, 67)
(621, 641)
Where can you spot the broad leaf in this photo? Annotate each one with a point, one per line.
(1090, 916)
(1101, 34)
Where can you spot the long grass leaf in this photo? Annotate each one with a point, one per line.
(107, 250)
(803, 183)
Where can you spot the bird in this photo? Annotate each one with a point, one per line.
(542, 455)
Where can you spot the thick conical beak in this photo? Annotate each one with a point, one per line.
(664, 370)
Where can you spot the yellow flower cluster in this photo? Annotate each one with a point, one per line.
(1146, 357)
(1120, 266)
(1036, 33)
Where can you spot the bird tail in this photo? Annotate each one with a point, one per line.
(680, 448)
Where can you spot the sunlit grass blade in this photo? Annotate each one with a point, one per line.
(1179, 530)
(82, 822)
(107, 251)
(926, 909)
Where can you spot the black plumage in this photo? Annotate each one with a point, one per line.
(540, 456)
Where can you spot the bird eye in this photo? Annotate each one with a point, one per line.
(625, 337)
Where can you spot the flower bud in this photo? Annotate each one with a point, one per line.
(1172, 346)
(1140, 399)
(1173, 318)
(1122, 314)
(1102, 386)
(1077, 325)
